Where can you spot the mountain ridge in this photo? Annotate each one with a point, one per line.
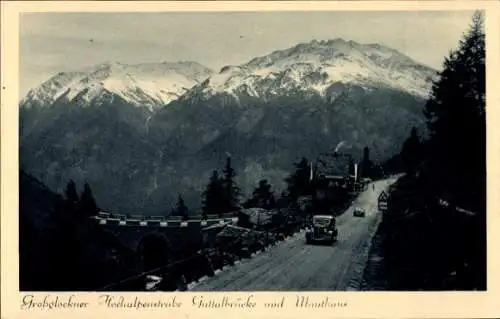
(317, 63)
(150, 85)
(314, 67)
(266, 113)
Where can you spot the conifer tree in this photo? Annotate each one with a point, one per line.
(213, 195)
(70, 192)
(181, 209)
(262, 196)
(231, 191)
(455, 165)
(87, 201)
(299, 183)
(456, 120)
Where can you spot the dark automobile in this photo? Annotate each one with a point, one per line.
(322, 229)
(359, 212)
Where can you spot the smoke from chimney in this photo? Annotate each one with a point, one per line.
(340, 145)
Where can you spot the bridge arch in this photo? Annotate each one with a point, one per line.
(153, 251)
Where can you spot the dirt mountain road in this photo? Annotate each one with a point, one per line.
(293, 265)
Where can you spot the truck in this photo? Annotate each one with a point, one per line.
(322, 228)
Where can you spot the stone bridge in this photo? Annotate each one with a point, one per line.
(158, 240)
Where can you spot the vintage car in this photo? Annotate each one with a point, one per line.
(322, 229)
(359, 212)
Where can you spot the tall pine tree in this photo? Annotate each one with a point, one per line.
(231, 191)
(213, 195)
(299, 183)
(263, 196)
(71, 200)
(71, 193)
(456, 159)
(87, 201)
(456, 120)
(181, 209)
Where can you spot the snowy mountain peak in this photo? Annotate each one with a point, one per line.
(317, 65)
(149, 85)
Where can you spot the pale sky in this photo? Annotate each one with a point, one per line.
(56, 42)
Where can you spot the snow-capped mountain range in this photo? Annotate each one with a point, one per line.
(141, 133)
(150, 85)
(314, 67)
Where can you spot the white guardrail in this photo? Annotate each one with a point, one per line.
(122, 220)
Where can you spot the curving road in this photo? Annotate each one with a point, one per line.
(293, 265)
